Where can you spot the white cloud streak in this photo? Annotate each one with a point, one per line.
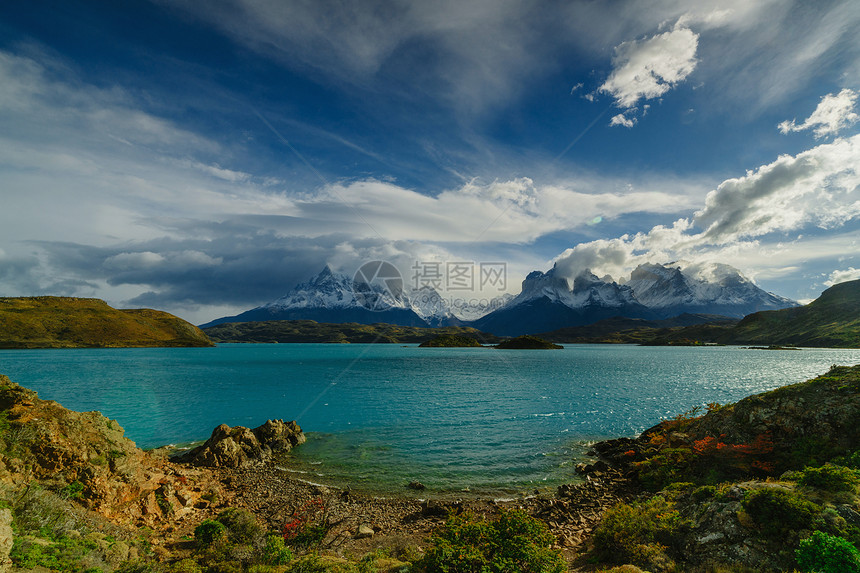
(834, 113)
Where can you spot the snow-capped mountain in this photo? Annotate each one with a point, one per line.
(427, 303)
(548, 302)
(715, 288)
(334, 297)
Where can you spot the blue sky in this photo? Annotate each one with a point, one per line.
(202, 159)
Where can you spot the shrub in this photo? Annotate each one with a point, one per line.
(515, 541)
(241, 525)
(63, 554)
(778, 511)
(308, 525)
(209, 531)
(704, 492)
(824, 553)
(73, 490)
(668, 466)
(41, 512)
(829, 478)
(184, 566)
(851, 460)
(638, 533)
(276, 552)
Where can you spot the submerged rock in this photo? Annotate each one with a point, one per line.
(239, 446)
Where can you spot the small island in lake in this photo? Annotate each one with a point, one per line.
(450, 341)
(527, 342)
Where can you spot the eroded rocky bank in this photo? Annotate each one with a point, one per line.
(739, 488)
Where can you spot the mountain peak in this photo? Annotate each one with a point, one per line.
(703, 288)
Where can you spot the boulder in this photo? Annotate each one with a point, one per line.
(239, 446)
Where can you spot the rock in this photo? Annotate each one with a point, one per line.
(432, 508)
(364, 531)
(239, 446)
(416, 485)
(6, 539)
(848, 513)
(85, 451)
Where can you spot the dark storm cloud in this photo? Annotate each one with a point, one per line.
(231, 269)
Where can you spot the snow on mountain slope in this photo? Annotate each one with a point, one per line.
(715, 288)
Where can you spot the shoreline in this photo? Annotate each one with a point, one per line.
(272, 494)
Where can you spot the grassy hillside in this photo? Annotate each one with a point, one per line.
(65, 322)
(622, 330)
(312, 331)
(831, 321)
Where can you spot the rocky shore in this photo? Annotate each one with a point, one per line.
(744, 487)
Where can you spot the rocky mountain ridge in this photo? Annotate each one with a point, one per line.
(547, 301)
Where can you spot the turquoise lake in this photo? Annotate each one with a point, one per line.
(378, 416)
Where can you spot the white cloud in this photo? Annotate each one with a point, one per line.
(842, 276)
(648, 68)
(513, 211)
(817, 187)
(622, 120)
(834, 113)
(745, 220)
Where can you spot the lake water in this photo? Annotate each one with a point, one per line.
(379, 416)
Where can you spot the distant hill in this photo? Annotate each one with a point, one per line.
(312, 331)
(832, 321)
(65, 322)
(621, 330)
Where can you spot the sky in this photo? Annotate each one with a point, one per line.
(203, 158)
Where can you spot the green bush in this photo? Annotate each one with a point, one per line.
(184, 566)
(829, 478)
(209, 531)
(310, 534)
(41, 512)
(73, 490)
(276, 552)
(639, 534)
(851, 460)
(242, 526)
(64, 554)
(513, 542)
(704, 492)
(824, 553)
(778, 511)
